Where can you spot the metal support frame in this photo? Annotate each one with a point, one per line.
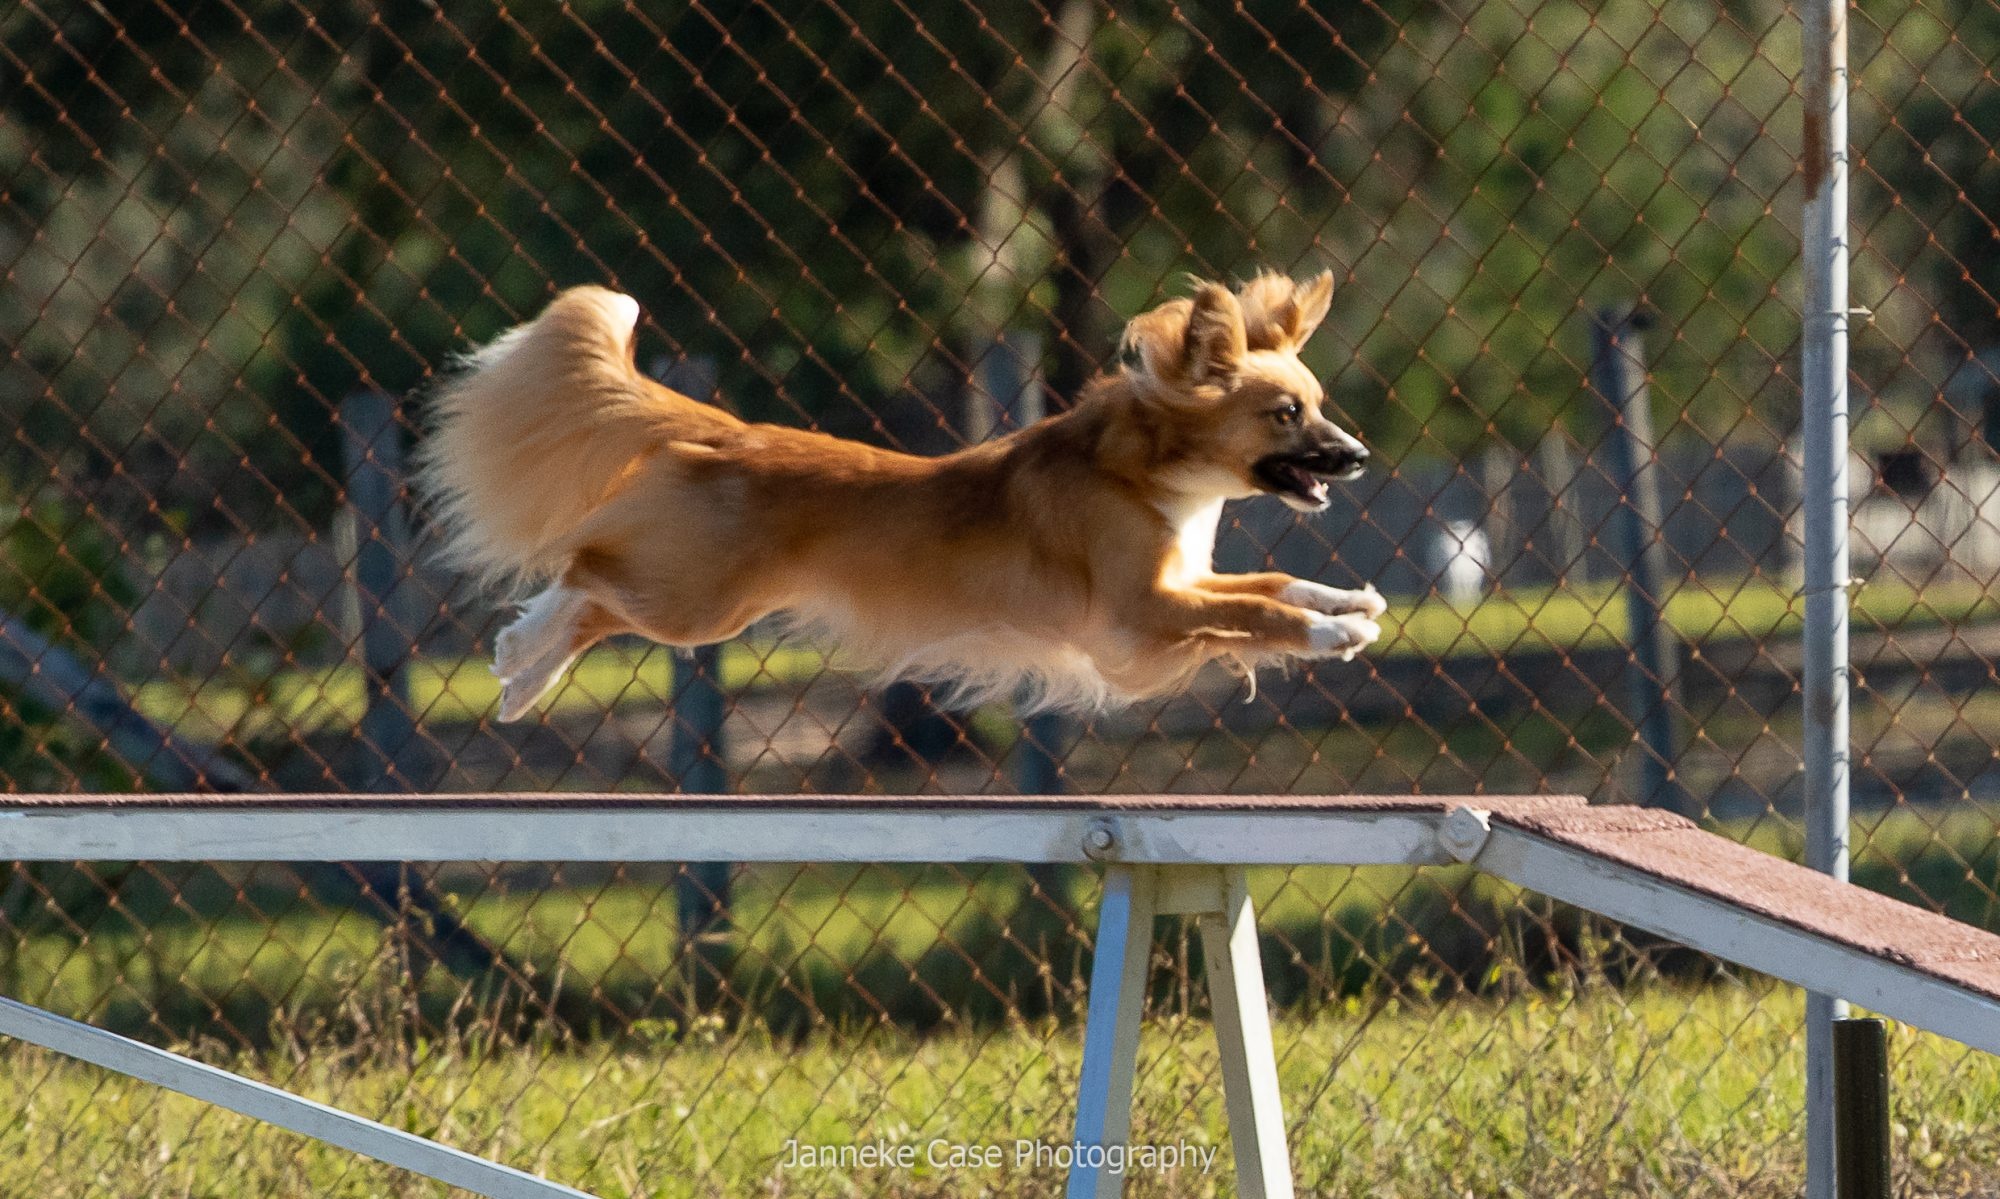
(1111, 1029)
(1158, 859)
(1219, 900)
(261, 1101)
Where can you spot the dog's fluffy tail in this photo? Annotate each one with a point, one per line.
(534, 432)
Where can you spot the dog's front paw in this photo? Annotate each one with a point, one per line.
(1334, 601)
(1341, 636)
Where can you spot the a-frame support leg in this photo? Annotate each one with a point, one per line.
(1111, 1031)
(1243, 1032)
(1220, 902)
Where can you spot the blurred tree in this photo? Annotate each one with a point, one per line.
(233, 212)
(1927, 181)
(60, 577)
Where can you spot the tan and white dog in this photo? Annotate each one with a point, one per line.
(1072, 557)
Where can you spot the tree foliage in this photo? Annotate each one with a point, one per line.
(221, 221)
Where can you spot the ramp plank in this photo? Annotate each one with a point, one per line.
(1673, 849)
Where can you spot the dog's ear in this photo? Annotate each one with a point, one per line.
(1158, 339)
(1312, 300)
(1216, 341)
(1281, 315)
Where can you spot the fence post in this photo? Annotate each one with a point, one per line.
(1823, 381)
(1861, 1110)
(373, 445)
(1619, 373)
(388, 756)
(1006, 372)
(695, 752)
(1556, 462)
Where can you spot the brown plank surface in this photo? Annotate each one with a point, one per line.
(1674, 850)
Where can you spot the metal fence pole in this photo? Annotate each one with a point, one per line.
(388, 756)
(373, 444)
(694, 757)
(1618, 371)
(1823, 150)
(1006, 372)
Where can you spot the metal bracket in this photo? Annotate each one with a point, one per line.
(1851, 583)
(1464, 833)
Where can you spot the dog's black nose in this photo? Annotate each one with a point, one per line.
(1347, 460)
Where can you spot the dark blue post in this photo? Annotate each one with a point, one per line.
(1619, 372)
(1006, 372)
(694, 756)
(389, 756)
(373, 444)
(1861, 1140)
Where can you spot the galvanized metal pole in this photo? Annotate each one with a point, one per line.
(1823, 154)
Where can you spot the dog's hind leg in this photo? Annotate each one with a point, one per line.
(532, 654)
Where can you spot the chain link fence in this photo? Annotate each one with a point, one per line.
(239, 238)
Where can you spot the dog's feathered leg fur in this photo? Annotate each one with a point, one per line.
(1301, 593)
(1251, 626)
(532, 654)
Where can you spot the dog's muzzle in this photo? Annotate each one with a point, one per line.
(1344, 462)
(1300, 479)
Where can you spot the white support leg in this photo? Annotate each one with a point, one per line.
(1219, 899)
(1111, 1034)
(1243, 1032)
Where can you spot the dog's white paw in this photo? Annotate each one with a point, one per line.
(513, 652)
(1341, 636)
(515, 700)
(1368, 602)
(531, 655)
(520, 689)
(1333, 601)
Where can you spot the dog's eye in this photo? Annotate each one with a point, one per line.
(1289, 414)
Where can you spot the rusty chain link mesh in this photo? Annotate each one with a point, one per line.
(229, 229)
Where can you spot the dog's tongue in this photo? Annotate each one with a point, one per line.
(1310, 486)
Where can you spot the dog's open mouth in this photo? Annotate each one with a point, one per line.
(1301, 480)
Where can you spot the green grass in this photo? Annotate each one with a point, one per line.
(302, 702)
(1589, 1091)
(1701, 611)
(1522, 620)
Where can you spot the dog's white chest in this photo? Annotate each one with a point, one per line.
(1194, 543)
